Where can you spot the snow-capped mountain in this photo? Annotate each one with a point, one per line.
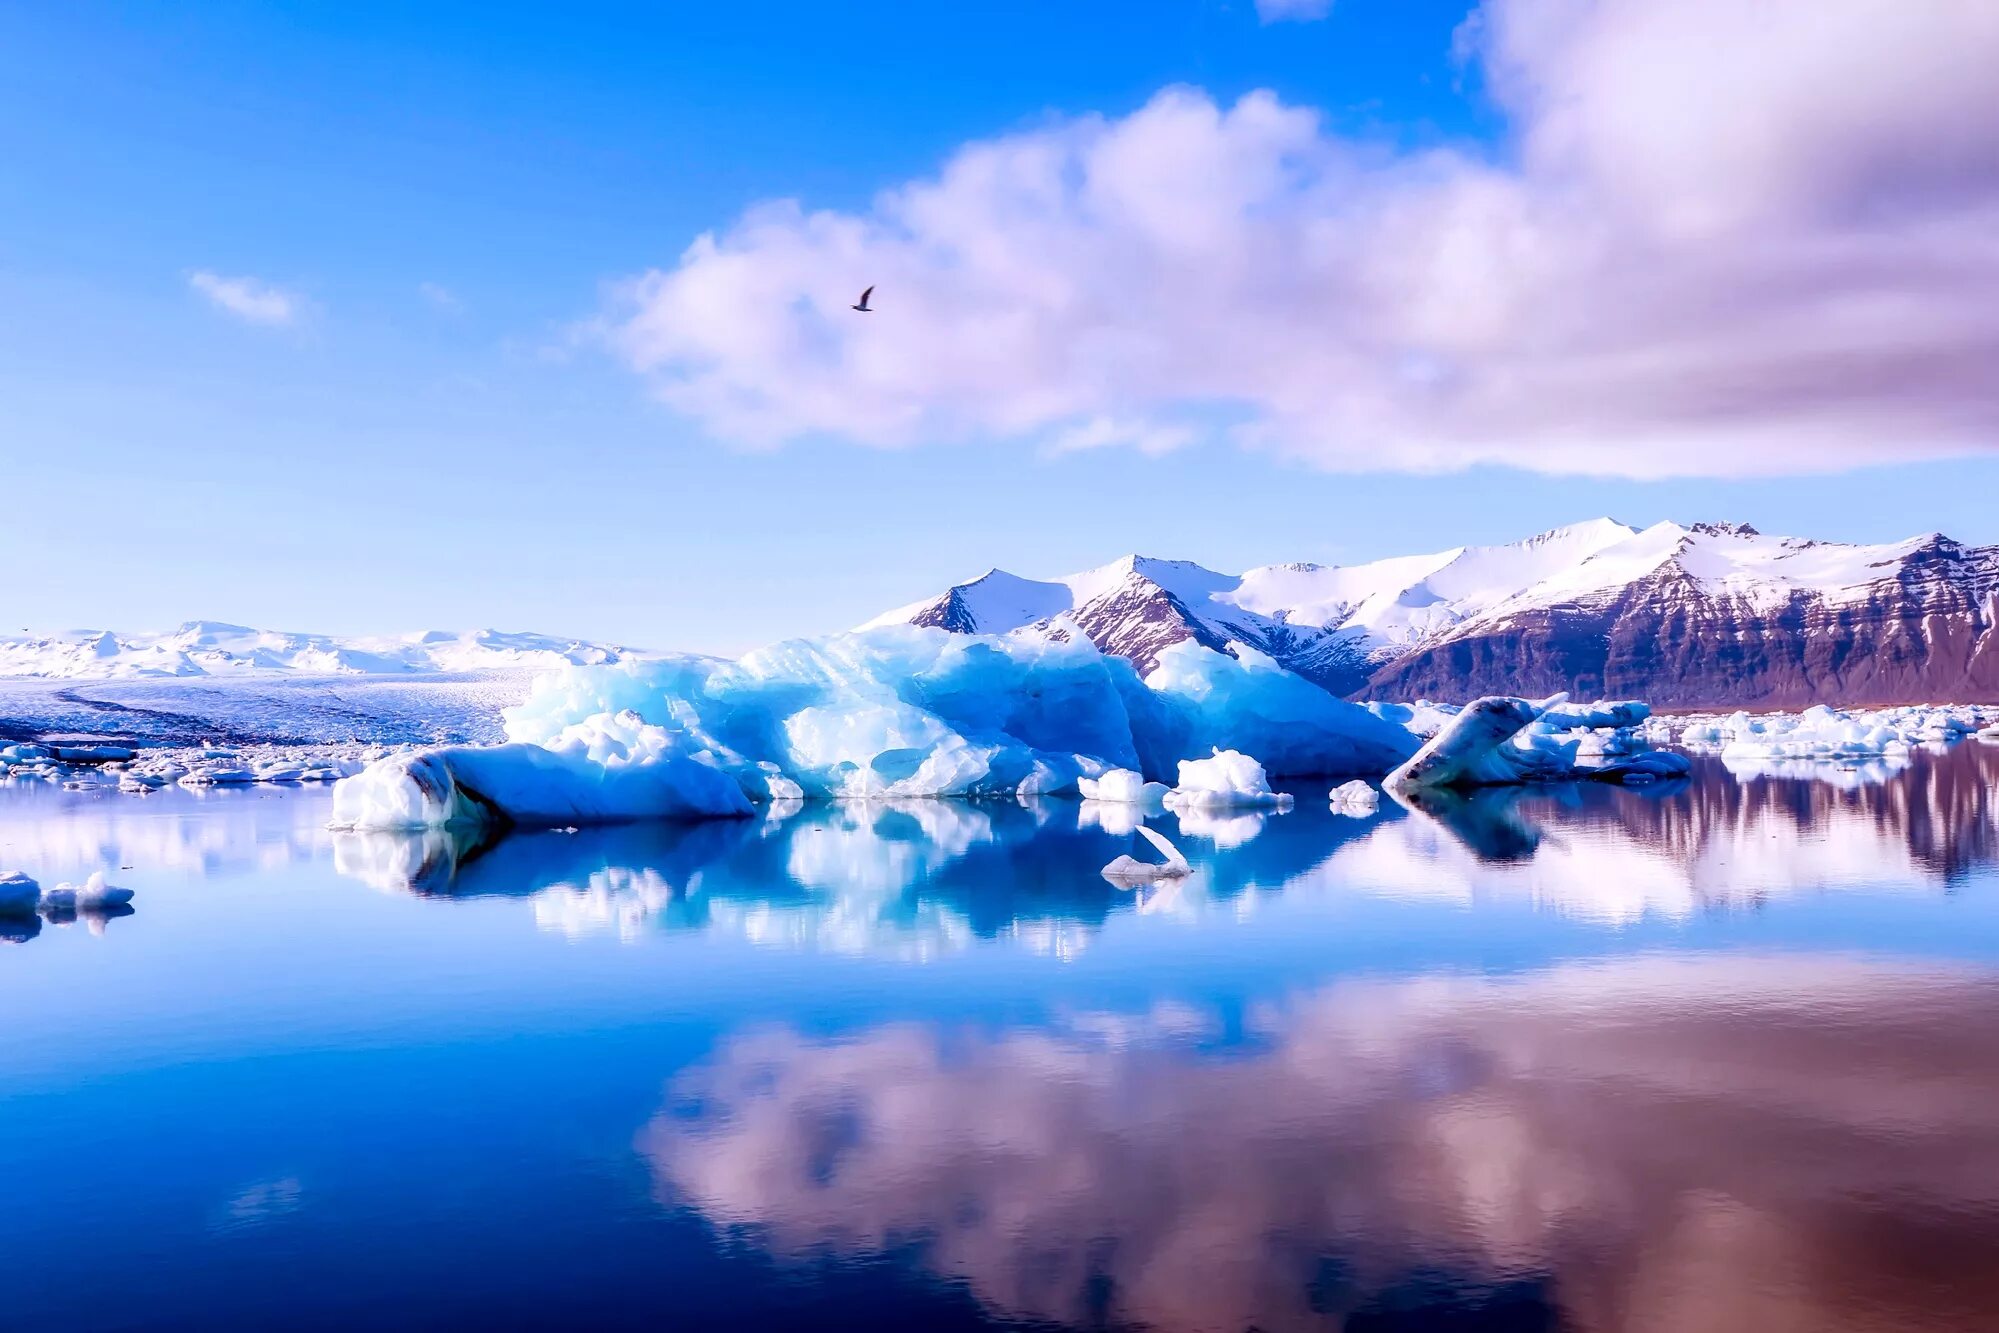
(208, 648)
(1704, 616)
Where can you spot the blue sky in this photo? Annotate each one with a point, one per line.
(450, 411)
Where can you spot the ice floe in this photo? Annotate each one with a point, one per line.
(1825, 732)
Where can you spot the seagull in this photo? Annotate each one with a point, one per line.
(862, 304)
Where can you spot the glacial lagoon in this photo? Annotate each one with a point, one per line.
(1721, 1053)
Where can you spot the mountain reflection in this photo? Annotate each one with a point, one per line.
(1694, 1143)
(921, 877)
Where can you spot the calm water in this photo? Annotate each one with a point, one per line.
(1716, 1057)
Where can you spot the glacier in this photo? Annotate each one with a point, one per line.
(889, 713)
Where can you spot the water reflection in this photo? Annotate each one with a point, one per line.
(919, 878)
(1748, 1143)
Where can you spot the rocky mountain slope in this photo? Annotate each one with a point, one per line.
(1712, 615)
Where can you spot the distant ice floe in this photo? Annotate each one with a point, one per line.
(1822, 732)
(137, 772)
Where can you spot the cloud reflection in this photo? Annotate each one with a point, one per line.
(1719, 1144)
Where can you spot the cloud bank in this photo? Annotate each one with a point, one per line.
(1722, 239)
(248, 299)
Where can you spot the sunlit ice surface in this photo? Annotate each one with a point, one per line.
(1712, 1055)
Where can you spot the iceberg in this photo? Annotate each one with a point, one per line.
(1355, 798)
(19, 895)
(1227, 780)
(93, 895)
(1502, 741)
(1204, 701)
(884, 714)
(532, 785)
(1124, 786)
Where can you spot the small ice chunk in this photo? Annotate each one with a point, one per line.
(218, 776)
(93, 895)
(19, 895)
(1230, 778)
(1128, 869)
(1650, 766)
(1355, 798)
(1124, 786)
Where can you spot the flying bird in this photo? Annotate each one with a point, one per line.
(862, 304)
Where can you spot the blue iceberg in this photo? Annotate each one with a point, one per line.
(885, 714)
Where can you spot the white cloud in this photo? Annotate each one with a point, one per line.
(439, 296)
(249, 299)
(1729, 239)
(1103, 432)
(1303, 11)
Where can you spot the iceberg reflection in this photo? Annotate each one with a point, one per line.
(1724, 1144)
(1674, 850)
(915, 878)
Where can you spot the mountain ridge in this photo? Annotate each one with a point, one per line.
(198, 648)
(1707, 614)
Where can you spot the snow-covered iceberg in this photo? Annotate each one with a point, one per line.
(1202, 701)
(1354, 798)
(540, 786)
(1122, 786)
(884, 714)
(93, 895)
(1500, 741)
(1226, 780)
